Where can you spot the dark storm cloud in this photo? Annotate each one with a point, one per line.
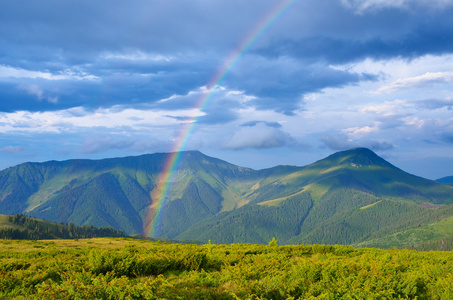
(434, 40)
(279, 84)
(345, 37)
(106, 53)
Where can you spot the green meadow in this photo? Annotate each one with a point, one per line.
(122, 268)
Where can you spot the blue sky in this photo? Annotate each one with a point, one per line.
(96, 79)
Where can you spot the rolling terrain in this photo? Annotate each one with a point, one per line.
(349, 197)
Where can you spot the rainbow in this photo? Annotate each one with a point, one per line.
(171, 164)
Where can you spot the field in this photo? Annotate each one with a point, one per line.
(119, 268)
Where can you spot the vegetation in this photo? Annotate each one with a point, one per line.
(349, 197)
(118, 268)
(434, 236)
(446, 180)
(21, 227)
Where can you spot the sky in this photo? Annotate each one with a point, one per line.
(300, 80)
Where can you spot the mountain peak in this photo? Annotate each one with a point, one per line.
(358, 157)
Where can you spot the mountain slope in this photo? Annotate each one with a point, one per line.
(349, 197)
(117, 192)
(354, 195)
(446, 180)
(20, 226)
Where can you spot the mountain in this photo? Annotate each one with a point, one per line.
(117, 192)
(446, 180)
(347, 198)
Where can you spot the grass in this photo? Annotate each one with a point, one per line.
(316, 190)
(5, 223)
(46, 191)
(278, 201)
(119, 268)
(370, 205)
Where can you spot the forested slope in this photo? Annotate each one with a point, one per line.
(347, 198)
(21, 227)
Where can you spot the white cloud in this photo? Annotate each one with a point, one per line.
(414, 122)
(36, 91)
(421, 81)
(72, 119)
(360, 131)
(361, 6)
(136, 55)
(387, 108)
(67, 74)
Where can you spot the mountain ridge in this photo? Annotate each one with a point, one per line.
(347, 197)
(446, 180)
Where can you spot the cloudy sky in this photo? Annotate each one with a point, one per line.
(301, 80)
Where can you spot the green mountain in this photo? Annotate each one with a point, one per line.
(446, 180)
(117, 192)
(347, 198)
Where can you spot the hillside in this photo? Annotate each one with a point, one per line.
(21, 227)
(347, 198)
(446, 180)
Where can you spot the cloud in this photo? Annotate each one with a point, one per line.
(12, 149)
(447, 137)
(362, 6)
(433, 104)
(136, 55)
(216, 106)
(138, 143)
(103, 143)
(340, 141)
(427, 79)
(259, 136)
(127, 78)
(360, 131)
(67, 74)
(269, 124)
(168, 50)
(387, 108)
(115, 119)
(36, 91)
(279, 84)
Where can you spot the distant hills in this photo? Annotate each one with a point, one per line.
(446, 180)
(350, 197)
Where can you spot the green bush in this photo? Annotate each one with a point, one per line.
(130, 269)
